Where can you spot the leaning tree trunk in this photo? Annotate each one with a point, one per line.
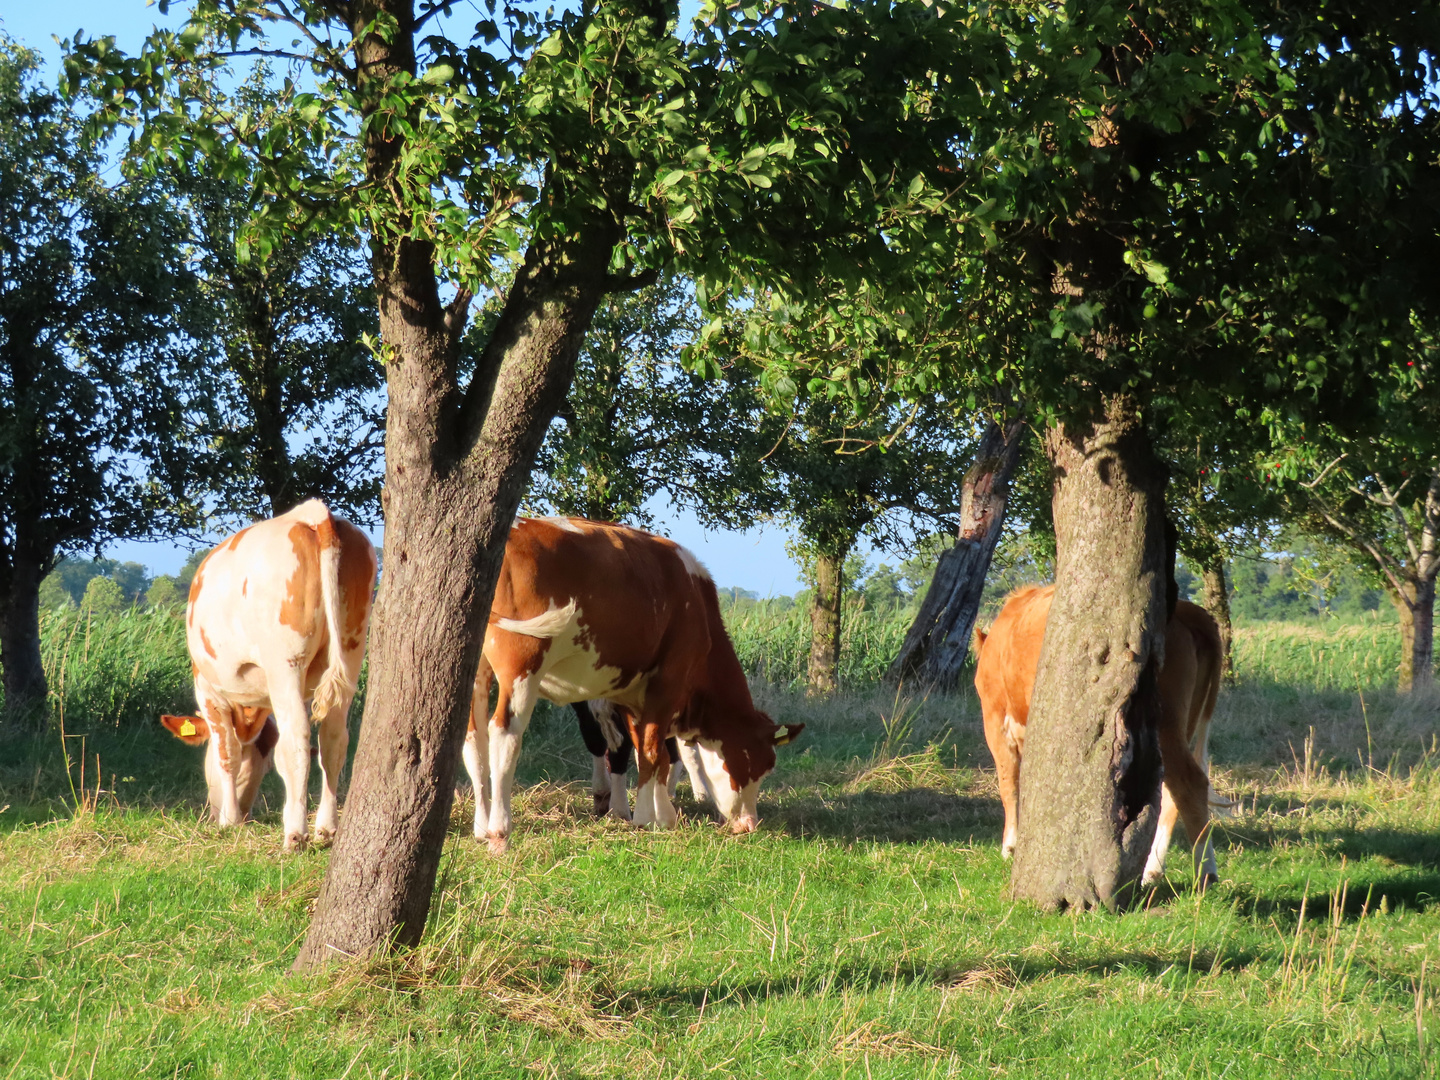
(446, 523)
(821, 674)
(456, 465)
(1415, 604)
(1090, 786)
(935, 647)
(24, 674)
(1215, 598)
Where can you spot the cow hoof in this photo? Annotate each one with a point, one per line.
(744, 824)
(1151, 880)
(1206, 880)
(324, 837)
(620, 813)
(296, 842)
(499, 844)
(1007, 852)
(602, 803)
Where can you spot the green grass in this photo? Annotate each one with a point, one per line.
(862, 932)
(1322, 656)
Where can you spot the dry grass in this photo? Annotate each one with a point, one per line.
(871, 1039)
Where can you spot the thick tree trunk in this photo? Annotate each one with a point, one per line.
(456, 465)
(1415, 604)
(446, 524)
(1090, 784)
(938, 641)
(24, 674)
(1215, 598)
(821, 676)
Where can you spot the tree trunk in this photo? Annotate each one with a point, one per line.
(938, 641)
(1415, 604)
(456, 467)
(24, 674)
(1215, 598)
(1090, 784)
(825, 624)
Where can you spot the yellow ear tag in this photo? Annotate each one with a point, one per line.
(187, 728)
(782, 732)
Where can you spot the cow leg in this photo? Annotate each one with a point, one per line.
(1187, 784)
(334, 739)
(475, 751)
(652, 762)
(476, 754)
(257, 760)
(695, 769)
(1155, 864)
(1006, 741)
(594, 740)
(507, 727)
(672, 748)
(292, 758)
(618, 760)
(222, 762)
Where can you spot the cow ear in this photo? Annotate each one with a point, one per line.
(188, 729)
(980, 638)
(787, 733)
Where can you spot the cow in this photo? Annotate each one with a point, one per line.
(1189, 681)
(277, 617)
(589, 610)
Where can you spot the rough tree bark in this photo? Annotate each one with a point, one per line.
(1215, 598)
(821, 677)
(938, 641)
(456, 467)
(1415, 604)
(1090, 790)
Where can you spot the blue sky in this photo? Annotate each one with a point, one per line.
(754, 559)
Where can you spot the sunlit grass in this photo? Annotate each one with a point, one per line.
(863, 931)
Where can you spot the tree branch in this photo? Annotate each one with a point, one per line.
(631, 282)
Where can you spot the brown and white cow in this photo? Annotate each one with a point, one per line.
(589, 610)
(277, 617)
(1189, 682)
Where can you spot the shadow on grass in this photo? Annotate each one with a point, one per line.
(1408, 847)
(976, 974)
(1412, 892)
(903, 817)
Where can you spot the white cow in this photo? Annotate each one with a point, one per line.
(277, 617)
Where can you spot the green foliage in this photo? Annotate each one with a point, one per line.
(635, 423)
(113, 665)
(93, 296)
(103, 597)
(295, 409)
(54, 595)
(165, 592)
(1307, 580)
(773, 638)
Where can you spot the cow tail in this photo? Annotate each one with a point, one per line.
(334, 686)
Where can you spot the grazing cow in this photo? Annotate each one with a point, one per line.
(587, 610)
(1189, 682)
(277, 616)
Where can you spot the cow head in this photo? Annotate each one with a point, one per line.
(732, 765)
(256, 733)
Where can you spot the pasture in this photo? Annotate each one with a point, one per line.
(862, 932)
